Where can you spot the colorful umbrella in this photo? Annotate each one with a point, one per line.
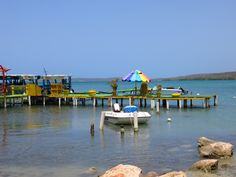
(136, 76)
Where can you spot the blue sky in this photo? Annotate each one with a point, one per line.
(110, 38)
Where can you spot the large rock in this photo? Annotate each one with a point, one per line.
(214, 149)
(123, 171)
(208, 165)
(150, 174)
(174, 174)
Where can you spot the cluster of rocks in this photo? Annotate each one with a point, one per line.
(210, 149)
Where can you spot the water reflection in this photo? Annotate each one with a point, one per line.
(5, 130)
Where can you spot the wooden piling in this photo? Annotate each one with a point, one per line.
(185, 103)
(141, 102)
(44, 101)
(5, 102)
(121, 102)
(180, 104)
(130, 101)
(164, 103)
(204, 103)
(157, 106)
(152, 104)
(111, 103)
(29, 100)
(135, 121)
(215, 100)
(59, 102)
(92, 129)
(94, 102)
(191, 103)
(102, 102)
(101, 126)
(167, 105)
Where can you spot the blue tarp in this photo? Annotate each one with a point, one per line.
(130, 109)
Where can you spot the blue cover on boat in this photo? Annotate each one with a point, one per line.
(130, 109)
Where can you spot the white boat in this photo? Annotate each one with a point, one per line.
(127, 116)
(172, 90)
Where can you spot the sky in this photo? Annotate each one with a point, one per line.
(162, 38)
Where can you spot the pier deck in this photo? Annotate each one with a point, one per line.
(75, 98)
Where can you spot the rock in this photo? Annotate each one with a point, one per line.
(123, 171)
(214, 149)
(151, 174)
(205, 165)
(174, 174)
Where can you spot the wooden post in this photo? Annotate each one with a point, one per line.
(204, 103)
(111, 103)
(22, 100)
(152, 104)
(76, 101)
(185, 103)
(59, 101)
(121, 100)
(44, 101)
(29, 100)
(215, 100)
(164, 103)
(145, 102)
(157, 106)
(5, 102)
(180, 104)
(102, 102)
(12, 101)
(13, 90)
(208, 103)
(135, 121)
(130, 101)
(191, 103)
(73, 101)
(167, 105)
(141, 102)
(94, 102)
(92, 129)
(101, 126)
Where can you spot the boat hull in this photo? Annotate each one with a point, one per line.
(122, 118)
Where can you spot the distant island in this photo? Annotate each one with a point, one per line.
(206, 76)
(203, 76)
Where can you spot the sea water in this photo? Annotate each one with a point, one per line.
(56, 141)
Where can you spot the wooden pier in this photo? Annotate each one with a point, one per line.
(108, 100)
(77, 99)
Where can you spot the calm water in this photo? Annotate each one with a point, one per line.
(53, 141)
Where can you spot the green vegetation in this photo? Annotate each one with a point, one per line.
(144, 89)
(114, 86)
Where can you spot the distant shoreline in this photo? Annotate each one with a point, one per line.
(203, 76)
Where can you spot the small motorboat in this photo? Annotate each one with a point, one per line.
(126, 117)
(171, 90)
